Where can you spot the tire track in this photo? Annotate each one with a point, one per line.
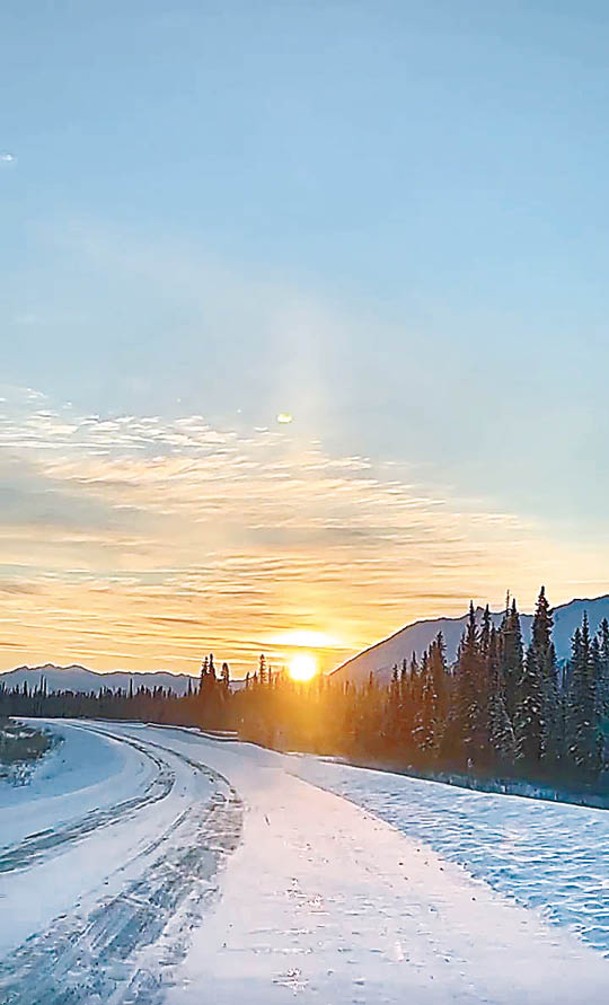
(36, 847)
(122, 951)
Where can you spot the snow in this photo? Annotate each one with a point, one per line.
(86, 771)
(111, 805)
(216, 870)
(548, 856)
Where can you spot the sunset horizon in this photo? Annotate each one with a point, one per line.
(113, 556)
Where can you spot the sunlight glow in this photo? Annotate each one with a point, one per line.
(303, 667)
(303, 638)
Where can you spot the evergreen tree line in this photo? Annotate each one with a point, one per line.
(502, 710)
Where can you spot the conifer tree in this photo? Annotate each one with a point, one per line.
(391, 724)
(529, 722)
(436, 687)
(583, 737)
(262, 670)
(603, 674)
(404, 711)
(423, 732)
(501, 732)
(511, 657)
(483, 687)
(203, 675)
(536, 697)
(545, 656)
(462, 735)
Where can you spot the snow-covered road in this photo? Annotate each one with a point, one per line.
(113, 852)
(146, 864)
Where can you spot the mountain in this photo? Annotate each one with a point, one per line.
(78, 678)
(380, 659)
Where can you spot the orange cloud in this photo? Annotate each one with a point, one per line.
(143, 543)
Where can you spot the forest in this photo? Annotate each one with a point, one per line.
(503, 710)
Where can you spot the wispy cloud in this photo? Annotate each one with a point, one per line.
(6, 158)
(145, 541)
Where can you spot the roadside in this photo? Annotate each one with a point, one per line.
(21, 748)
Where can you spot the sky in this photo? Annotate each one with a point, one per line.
(386, 220)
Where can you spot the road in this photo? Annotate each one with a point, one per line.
(155, 865)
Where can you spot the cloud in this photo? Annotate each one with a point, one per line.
(29, 500)
(161, 539)
(17, 588)
(6, 158)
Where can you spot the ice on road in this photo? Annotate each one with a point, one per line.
(241, 882)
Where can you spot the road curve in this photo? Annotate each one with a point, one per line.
(134, 874)
(246, 884)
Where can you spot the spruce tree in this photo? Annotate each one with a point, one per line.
(501, 732)
(430, 716)
(603, 675)
(582, 726)
(391, 725)
(529, 722)
(439, 680)
(423, 733)
(484, 689)
(511, 657)
(463, 727)
(203, 675)
(262, 670)
(409, 698)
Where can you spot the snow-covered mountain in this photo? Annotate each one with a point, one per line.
(78, 678)
(380, 659)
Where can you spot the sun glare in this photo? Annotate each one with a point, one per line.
(303, 667)
(306, 639)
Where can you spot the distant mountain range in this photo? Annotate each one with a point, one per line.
(78, 678)
(415, 638)
(379, 659)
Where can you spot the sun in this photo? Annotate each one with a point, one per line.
(303, 667)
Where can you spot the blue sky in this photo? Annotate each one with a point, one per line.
(389, 219)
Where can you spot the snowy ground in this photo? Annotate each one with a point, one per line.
(549, 856)
(147, 865)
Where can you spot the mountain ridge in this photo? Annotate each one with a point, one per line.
(380, 658)
(75, 677)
